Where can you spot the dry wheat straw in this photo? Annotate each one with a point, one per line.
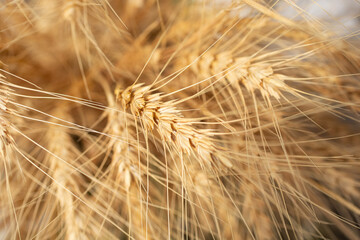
(173, 128)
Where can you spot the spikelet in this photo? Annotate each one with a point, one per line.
(172, 127)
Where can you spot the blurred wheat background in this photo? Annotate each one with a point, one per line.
(160, 119)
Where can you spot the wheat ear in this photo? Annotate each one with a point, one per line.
(210, 206)
(254, 76)
(172, 127)
(60, 145)
(6, 140)
(7, 160)
(254, 211)
(125, 167)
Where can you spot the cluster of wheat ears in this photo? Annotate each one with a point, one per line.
(158, 119)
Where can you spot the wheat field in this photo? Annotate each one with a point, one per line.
(162, 119)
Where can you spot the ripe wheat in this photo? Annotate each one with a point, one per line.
(231, 122)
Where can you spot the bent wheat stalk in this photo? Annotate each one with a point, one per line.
(172, 127)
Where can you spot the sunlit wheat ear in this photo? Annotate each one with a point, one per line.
(173, 128)
(240, 70)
